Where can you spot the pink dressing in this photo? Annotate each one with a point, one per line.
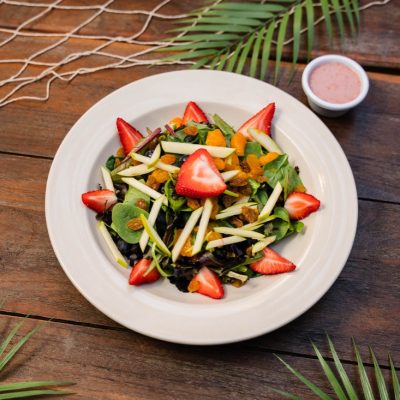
(335, 82)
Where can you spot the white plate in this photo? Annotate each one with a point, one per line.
(160, 310)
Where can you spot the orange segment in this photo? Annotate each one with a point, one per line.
(264, 160)
(160, 176)
(176, 122)
(215, 138)
(238, 142)
(254, 165)
(219, 163)
(168, 159)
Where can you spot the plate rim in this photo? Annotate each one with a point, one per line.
(160, 335)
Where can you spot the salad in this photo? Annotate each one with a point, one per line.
(200, 203)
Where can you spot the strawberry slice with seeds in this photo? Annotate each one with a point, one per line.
(199, 177)
(272, 263)
(300, 205)
(99, 200)
(261, 120)
(128, 135)
(194, 113)
(208, 283)
(138, 274)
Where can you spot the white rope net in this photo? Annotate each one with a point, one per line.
(98, 54)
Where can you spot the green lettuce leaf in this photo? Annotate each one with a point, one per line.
(253, 148)
(174, 201)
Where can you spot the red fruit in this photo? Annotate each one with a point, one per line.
(128, 135)
(261, 120)
(272, 263)
(209, 284)
(194, 113)
(300, 205)
(199, 177)
(139, 269)
(99, 200)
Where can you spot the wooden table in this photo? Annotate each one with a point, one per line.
(108, 361)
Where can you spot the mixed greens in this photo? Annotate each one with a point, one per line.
(199, 203)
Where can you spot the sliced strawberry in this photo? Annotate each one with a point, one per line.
(199, 177)
(300, 205)
(139, 269)
(261, 120)
(194, 113)
(128, 135)
(272, 263)
(99, 200)
(208, 284)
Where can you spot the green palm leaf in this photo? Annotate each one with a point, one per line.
(9, 387)
(267, 49)
(296, 35)
(322, 395)
(310, 27)
(330, 375)
(380, 380)
(342, 373)
(245, 31)
(395, 381)
(33, 393)
(366, 385)
(279, 46)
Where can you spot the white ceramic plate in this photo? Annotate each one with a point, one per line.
(160, 310)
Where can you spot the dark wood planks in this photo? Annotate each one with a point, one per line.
(376, 44)
(123, 365)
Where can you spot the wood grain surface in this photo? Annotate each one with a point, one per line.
(106, 360)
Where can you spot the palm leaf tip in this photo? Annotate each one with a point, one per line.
(365, 383)
(395, 379)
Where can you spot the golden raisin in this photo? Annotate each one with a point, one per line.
(238, 142)
(135, 224)
(250, 214)
(227, 201)
(261, 179)
(141, 203)
(219, 163)
(268, 158)
(239, 180)
(191, 130)
(160, 175)
(236, 222)
(215, 138)
(152, 182)
(193, 204)
(168, 159)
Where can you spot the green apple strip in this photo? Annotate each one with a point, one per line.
(262, 244)
(235, 275)
(144, 189)
(159, 164)
(253, 226)
(189, 148)
(270, 204)
(108, 183)
(136, 170)
(228, 175)
(264, 140)
(144, 239)
(154, 237)
(116, 254)
(239, 232)
(234, 211)
(224, 241)
(187, 230)
(201, 233)
(154, 157)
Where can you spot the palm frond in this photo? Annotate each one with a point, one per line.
(366, 385)
(19, 390)
(395, 380)
(227, 35)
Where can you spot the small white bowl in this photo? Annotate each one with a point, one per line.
(326, 108)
